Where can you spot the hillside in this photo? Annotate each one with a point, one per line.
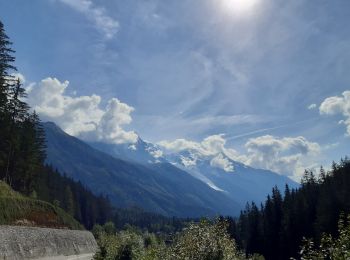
(17, 209)
(164, 188)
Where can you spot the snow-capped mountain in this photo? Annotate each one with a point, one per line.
(238, 181)
(140, 152)
(154, 187)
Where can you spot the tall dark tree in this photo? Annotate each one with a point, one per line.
(18, 111)
(6, 82)
(6, 66)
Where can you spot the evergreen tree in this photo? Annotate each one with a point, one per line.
(6, 66)
(68, 202)
(6, 81)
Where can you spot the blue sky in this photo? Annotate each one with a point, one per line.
(194, 68)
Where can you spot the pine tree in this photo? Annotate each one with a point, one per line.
(6, 60)
(18, 111)
(69, 201)
(6, 81)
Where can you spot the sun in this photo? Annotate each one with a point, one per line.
(239, 6)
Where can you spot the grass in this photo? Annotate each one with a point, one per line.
(16, 209)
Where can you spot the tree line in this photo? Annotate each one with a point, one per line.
(276, 228)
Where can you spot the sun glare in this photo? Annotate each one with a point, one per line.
(239, 6)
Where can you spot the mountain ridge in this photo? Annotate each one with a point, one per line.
(242, 183)
(162, 188)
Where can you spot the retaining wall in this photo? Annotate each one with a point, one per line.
(45, 243)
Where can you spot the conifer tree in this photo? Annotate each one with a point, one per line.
(6, 66)
(6, 81)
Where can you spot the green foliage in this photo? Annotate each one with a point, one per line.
(97, 231)
(33, 195)
(73, 197)
(16, 209)
(203, 241)
(22, 139)
(109, 228)
(6, 191)
(329, 248)
(123, 245)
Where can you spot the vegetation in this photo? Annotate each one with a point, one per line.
(201, 241)
(17, 209)
(73, 197)
(330, 248)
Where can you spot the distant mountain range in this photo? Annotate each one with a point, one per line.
(141, 175)
(160, 187)
(242, 184)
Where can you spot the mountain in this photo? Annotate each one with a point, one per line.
(241, 183)
(141, 152)
(157, 187)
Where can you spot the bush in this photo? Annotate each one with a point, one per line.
(204, 241)
(124, 245)
(330, 248)
(109, 228)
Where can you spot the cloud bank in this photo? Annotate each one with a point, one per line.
(288, 156)
(81, 116)
(212, 148)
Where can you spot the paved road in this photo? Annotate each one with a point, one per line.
(73, 257)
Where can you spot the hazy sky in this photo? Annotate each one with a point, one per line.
(256, 71)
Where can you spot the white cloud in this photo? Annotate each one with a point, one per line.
(287, 156)
(156, 153)
(212, 147)
(81, 116)
(222, 162)
(98, 15)
(338, 105)
(312, 106)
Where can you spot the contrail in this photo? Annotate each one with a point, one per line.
(271, 128)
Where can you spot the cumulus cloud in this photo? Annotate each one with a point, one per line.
(212, 147)
(222, 162)
(283, 155)
(312, 106)
(338, 105)
(98, 15)
(81, 116)
(288, 156)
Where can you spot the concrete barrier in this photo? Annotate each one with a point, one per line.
(17, 243)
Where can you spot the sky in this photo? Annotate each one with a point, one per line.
(266, 81)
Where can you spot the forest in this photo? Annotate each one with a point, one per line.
(277, 228)
(305, 223)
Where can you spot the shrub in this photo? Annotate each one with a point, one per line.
(330, 248)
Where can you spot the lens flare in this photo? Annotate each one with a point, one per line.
(239, 6)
